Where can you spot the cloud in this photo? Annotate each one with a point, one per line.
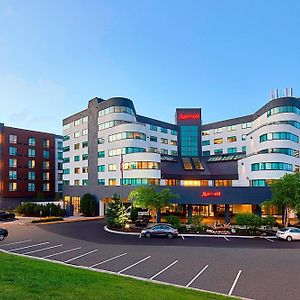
(34, 105)
(9, 11)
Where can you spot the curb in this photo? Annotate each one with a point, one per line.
(196, 235)
(122, 275)
(68, 221)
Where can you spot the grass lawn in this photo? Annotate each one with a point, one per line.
(26, 278)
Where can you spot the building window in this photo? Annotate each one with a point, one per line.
(127, 135)
(77, 170)
(164, 141)
(231, 139)
(12, 163)
(153, 127)
(85, 169)
(85, 119)
(164, 130)
(46, 143)
(164, 151)
(112, 181)
(231, 128)
(153, 138)
(173, 132)
(12, 151)
(46, 176)
(140, 181)
(46, 165)
(31, 187)
(12, 186)
(218, 130)
(85, 182)
(125, 150)
(296, 168)
(205, 133)
(101, 181)
(206, 153)
(46, 187)
(59, 145)
(206, 143)
(76, 134)
(77, 158)
(223, 182)
(66, 182)
(31, 152)
(31, 164)
(77, 182)
(101, 154)
(189, 141)
(112, 167)
(66, 137)
(77, 122)
(85, 156)
(66, 148)
(244, 137)
(218, 151)
(173, 143)
(12, 139)
(85, 144)
(246, 125)
(46, 154)
(244, 149)
(12, 175)
(31, 141)
(110, 124)
(174, 152)
(115, 109)
(101, 141)
(31, 175)
(153, 150)
(59, 155)
(66, 160)
(66, 171)
(231, 150)
(141, 165)
(279, 136)
(272, 166)
(77, 146)
(218, 141)
(84, 132)
(283, 109)
(101, 168)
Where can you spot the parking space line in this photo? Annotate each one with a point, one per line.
(107, 260)
(269, 240)
(235, 282)
(163, 270)
(43, 249)
(62, 252)
(182, 237)
(82, 255)
(19, 242)
(31, 246)
(131, 266)
(226, 238)
(197, 276)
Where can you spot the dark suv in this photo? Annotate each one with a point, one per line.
(6, 216)
(3, 234)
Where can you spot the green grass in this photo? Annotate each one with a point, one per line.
(26, 278)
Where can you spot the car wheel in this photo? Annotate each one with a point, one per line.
(170, 235)
(1, 237)
(147, 234)
(289, 238)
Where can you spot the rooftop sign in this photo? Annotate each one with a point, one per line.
(188, 116)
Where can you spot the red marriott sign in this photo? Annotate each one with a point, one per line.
(188, 116)
(211, 194)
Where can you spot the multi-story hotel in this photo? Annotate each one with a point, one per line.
(30, 164)
(217, 169)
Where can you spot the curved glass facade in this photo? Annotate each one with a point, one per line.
(271, 166)
(287, 151)
(279, 136)
(283, 109)
(115, 109)
(141, 165)
(140, 181)
(110, 124)
(125, 150)
(127, 135)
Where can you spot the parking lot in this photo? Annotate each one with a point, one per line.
(256, 269)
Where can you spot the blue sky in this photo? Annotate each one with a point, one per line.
(222, 56)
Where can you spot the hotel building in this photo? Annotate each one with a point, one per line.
(217, 169)
(30, 164)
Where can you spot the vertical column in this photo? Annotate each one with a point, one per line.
(227, 214)
(190, 210)
(258, 210)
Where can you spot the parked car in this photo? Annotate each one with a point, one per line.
(6, 216)
(288, 233)
(142, 221)
(3, 234)
(160, 230)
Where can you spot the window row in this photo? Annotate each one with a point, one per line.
(110, 124)
(12, 187)
(272, 166)
(115, 109)
(229, 128)
(13, 151)
(83, 133)
(76, 146)
(30, 164)
(13, 139)
(78, 122)
(163, 130)
(283, 109)
(287, 151)
(279, 136)
(125, 150)
(220, 151)
(126, 135)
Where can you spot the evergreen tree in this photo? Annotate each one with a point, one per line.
(115, 215)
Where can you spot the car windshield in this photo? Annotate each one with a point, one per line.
(284, 229)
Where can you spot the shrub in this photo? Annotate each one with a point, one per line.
(46, 220)
(115, 215)
(29, 209)
(269, 222)
(174, 221)
(196, 222)
(133, 214)
(250, 221)
(88, 205)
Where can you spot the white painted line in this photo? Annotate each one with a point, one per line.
(226, 238)
(131, 266)
(166, 268)
(25, 241)
(269, 240)
(140, 236)
(43, 249)
(76, 257)
(16, 249)
(182, 237)
(107, 260)
(235, 282)
(197, 276)
(66, 251)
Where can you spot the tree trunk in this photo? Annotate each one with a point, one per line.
(286, 216)
(158, 216)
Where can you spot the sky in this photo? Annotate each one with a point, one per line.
(222, 56)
